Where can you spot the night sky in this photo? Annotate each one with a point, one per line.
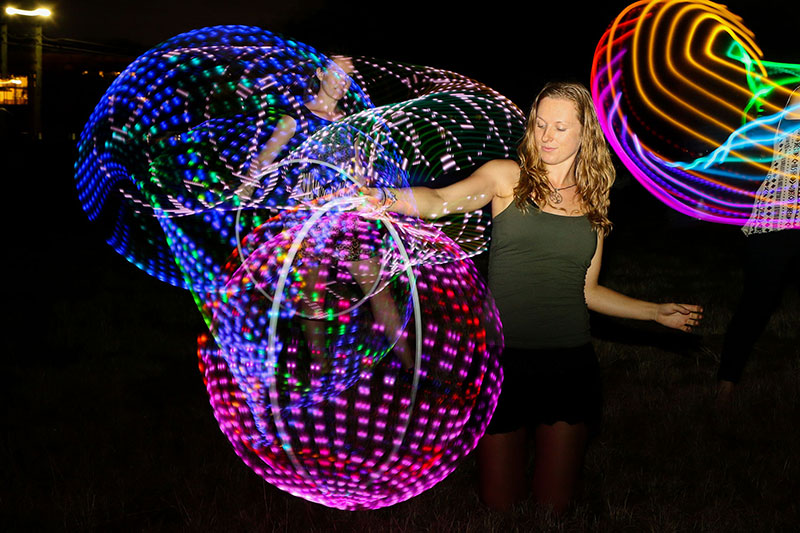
(512, 49)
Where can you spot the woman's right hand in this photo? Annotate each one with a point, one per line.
(679, 316)
(377, 199)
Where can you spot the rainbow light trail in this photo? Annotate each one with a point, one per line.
(693, 111)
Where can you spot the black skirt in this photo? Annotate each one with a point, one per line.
(545, 386)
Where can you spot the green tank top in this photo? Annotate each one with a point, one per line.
(537, 272)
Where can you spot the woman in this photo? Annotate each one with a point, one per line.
(549, 221)
(322, 109)
(330, 86)
(772, 251)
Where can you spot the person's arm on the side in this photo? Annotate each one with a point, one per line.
(281, 135)
(609, 302)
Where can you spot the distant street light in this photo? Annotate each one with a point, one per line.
(41, 12)
(38, 14)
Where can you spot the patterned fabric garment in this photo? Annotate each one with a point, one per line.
(777, 206)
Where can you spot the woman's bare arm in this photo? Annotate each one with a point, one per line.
(609, 302)
(281, 135)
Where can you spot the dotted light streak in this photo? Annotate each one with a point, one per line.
(162, 156)
(315, 488)
(273, 323)
(159, 94)
(186, 93)
(726, 192)
(428, 138)
(385, 477)
(457, 374)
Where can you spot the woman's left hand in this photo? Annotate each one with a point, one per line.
(679, 316)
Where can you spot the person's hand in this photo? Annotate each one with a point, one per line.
(377, 200)
(679, 316)
(372, 198)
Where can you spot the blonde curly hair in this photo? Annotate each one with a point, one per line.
(594, 171)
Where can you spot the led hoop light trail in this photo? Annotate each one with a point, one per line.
(275, 312)
(304, 230)
(176, 132)
(306, 420)
(316, 402)
(693, 111)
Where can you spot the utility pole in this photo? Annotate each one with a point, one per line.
(38, 15)
(37, 81)
(4, 50)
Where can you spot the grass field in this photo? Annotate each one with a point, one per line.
(107, 425)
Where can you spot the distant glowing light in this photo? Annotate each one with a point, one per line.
(40, 12)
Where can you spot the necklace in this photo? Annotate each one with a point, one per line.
(554, 197)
